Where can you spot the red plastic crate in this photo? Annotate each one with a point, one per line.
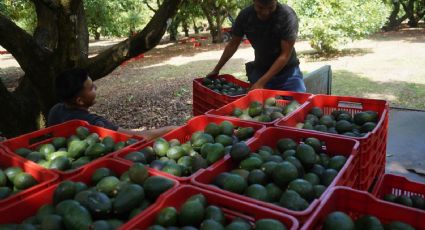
(347, 176)
(398, 185)
(232, 208)
(358, 203)
(261, 95)
(205, 99)
(28, 207)
(41, 175)
(214, 98)
(373, 146)
(183, 134)
(66, 129)
(199, 107)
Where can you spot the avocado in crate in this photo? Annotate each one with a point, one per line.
(341, 221)
(291, 176)
(414, 201)
(340, 122)
(108, 201)
(196, 213)
(202, 150)
(73, 152)
(266, 111)
(400, 190)
(13, 180)
(220, 85)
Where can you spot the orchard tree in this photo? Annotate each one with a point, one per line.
(115, 18)
(60, 41)
(100, 17)
(327, 24)
(413, 10)
(216, 11)
(20, 11)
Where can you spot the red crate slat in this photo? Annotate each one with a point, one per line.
(347, 176)
(66, 129)
(398, 186)
(358, 203)
(373, 146)
(232, 208)
(29, 206)
(184, 133)
(261, 95)
(44, 177)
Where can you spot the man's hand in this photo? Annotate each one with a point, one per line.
(257, 85)
(213, 73)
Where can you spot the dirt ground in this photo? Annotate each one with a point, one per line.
(157, 89)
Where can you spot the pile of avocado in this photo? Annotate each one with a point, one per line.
(204, 149)
(410, 201)
(341, 221)
(267, 112)
(195, 214)
(340, 122)
(220, 85)
(290, 176)
(14, 180)
(73, 152)
(106, 203)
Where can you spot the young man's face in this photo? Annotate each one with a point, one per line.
(264, 11)
(87, 96)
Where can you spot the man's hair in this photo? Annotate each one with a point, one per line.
(265, 2)
(69, 83)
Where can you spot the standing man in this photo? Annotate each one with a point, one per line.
(272, 29)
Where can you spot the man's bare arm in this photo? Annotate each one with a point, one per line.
(228, 52)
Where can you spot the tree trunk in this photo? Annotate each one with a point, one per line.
(60, 41)
(185, 27)
(215, 21)
(195, 27)
(210, 19)
(173, 32)
(392, 20)
(96, 36)
(410, 11)
(218, 20)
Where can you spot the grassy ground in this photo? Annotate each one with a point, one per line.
(157, 90)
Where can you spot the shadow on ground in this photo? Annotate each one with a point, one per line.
(155, 96)
(413, 35)
(152, 96)
(314, 56)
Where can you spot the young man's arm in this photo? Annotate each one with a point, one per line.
(278, 65)
(148, 134)
(228, 52)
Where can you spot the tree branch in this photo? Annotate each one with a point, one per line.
(143, 41)
(149, 6)
(19, 43)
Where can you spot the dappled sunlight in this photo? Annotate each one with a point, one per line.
(162, 46)
(7, 60)
(245, 53)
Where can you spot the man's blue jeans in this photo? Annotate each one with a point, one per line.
(290, 79)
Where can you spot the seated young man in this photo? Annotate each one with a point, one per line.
(78, 93)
